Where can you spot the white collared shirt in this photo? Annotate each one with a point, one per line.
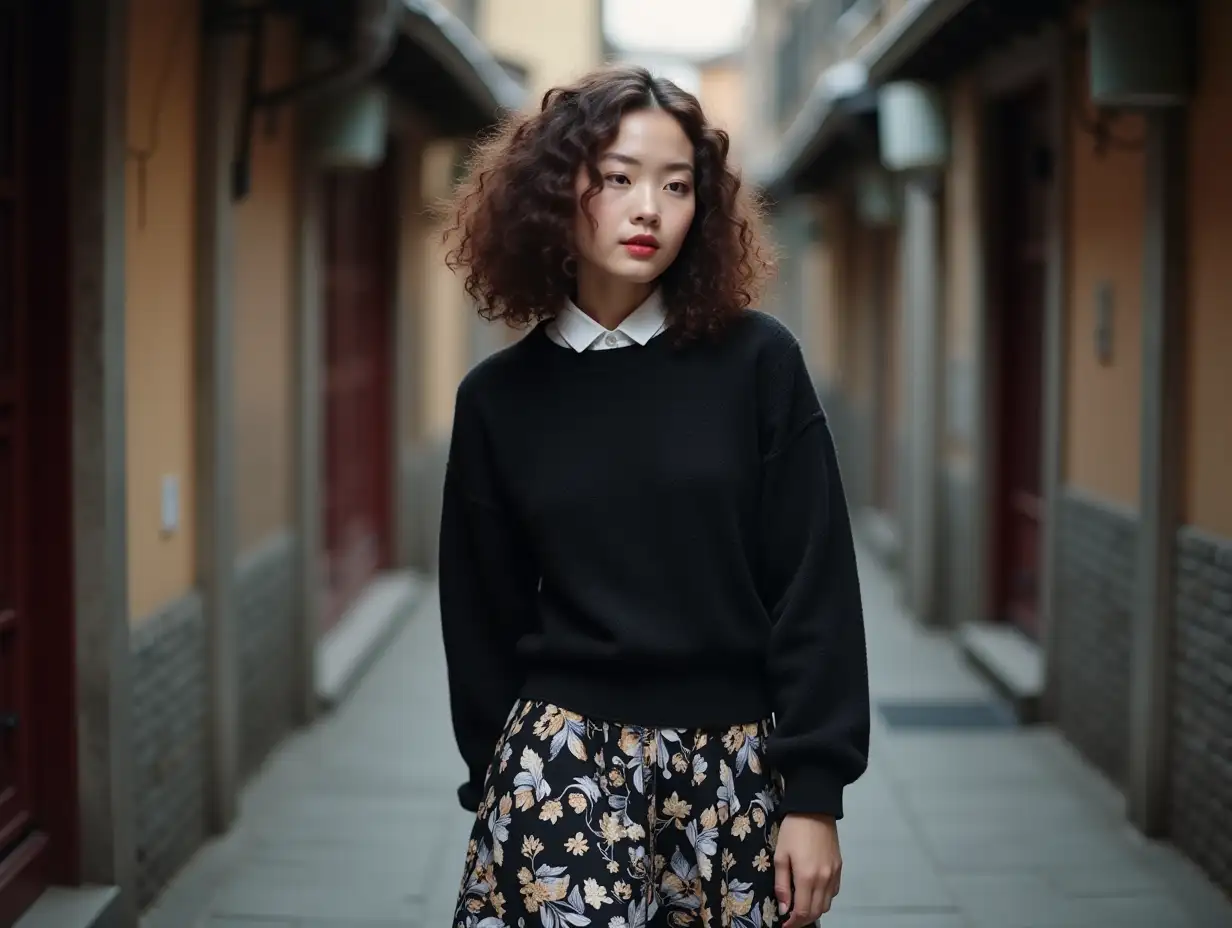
(572, 328)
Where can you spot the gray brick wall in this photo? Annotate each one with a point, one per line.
(169, 727)
(266, 621)
(1201, 763)
(1095, 577)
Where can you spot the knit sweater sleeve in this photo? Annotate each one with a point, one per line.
(487, 588)
(818, 668)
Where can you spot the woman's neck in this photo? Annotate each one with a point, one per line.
(607, 300)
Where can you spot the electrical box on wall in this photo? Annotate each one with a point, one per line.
(1141, 53)
(914, 127)
(169, 504)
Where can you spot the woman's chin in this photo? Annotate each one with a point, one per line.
(636, 272)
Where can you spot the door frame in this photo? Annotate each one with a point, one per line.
(1007, 71)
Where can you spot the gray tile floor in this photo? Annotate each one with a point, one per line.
(353, 824)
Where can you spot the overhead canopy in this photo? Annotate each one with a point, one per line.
(451, 76)
(436, 62)
(928, 40)
(828, 132)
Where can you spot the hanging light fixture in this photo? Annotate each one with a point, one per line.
(1141, 53)
(913, 126)
(348, 129)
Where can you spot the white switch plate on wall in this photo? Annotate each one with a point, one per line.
(170, 504)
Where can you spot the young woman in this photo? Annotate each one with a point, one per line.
(648, 585)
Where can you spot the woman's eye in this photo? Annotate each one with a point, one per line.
(617, 179)
(678, 186)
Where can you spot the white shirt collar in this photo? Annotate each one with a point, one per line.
(580, 331)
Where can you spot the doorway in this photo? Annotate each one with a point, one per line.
(360, 239)
(38, 795)
(1022, 179)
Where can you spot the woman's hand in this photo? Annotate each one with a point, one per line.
(807, 858)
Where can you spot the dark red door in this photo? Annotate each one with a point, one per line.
(37, 650)
(16, 804)
(1025, 158)
(357, 384)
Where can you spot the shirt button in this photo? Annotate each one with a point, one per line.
(609, 339)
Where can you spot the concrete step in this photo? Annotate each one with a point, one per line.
(346, 651)
(1012, 663)
(74, 907)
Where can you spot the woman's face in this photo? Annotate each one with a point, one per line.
(645, 207)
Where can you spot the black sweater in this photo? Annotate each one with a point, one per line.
(655, 535)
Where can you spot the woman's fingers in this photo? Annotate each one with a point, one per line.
(829, 889)
(821, 901)
(811, 897)
(782, 883)
(807, 899)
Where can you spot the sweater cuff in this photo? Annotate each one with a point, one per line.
(470, 795)
(812, 791)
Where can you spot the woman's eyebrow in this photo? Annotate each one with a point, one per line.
(634, 162)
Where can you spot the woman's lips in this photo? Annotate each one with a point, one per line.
(641, 246)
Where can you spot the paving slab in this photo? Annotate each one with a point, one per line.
(354, 823)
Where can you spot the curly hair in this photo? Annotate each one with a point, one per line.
(511, 220)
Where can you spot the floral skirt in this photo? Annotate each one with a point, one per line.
(615, 826)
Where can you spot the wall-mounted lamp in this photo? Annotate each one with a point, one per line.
(374, 33)
(1142, 53)
(346, 126)
(914, 127)
(348, 129)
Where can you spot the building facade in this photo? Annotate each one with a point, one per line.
(212, 217)
(1001, 240)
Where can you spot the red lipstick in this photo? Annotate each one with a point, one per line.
(641, 246)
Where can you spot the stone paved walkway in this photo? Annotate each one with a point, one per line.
(353, 824)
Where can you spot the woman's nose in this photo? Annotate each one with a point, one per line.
(647, 213)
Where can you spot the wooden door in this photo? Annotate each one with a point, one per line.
(38, 821)
(16, 803)
(357, 382)
(1025, 158)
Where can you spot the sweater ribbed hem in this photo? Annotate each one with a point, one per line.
(685, 701)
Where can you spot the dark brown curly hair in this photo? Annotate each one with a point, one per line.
(511, 220)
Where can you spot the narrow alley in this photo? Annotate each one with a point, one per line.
(353, 823)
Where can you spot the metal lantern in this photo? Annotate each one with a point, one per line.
(914, 129)
(1141, 53)
(348, 129)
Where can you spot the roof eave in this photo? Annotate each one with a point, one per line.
(467, 89)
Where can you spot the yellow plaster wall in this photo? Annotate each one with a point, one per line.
(160, 247)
